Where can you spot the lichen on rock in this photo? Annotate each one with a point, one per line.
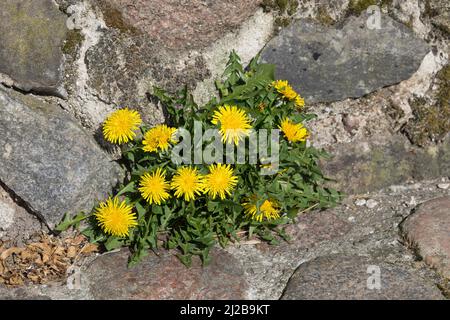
(356, 7)
(431, 122)
(283, 9)
(31, 40)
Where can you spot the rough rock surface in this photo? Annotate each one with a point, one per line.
(365, 138)
(54, 291)
(428, 231)
(20, 294)
(347, 230)
(310, 230)
(165, 277)
(328, 64)
(32, 35)
(178, 25)
(340, 277)
(123, 69)
(118, 52)
(114, 54)
(257, 271)
(443, 22)
(365, 166)
(16, 224)
(149, 47)
(48, 160)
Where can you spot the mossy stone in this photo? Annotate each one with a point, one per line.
(73, 41)
(356, 7)
(32, 36)
(324, 17)
(431, 120)
(284, 10)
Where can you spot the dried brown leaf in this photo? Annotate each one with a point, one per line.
(35, 278)
(89, 248)
(44, 247)
(59, 251)
(16, 280)
(78, 240)
(8, 252)
(27, 255)
(72, 252)
(38, 261)
(45, 258)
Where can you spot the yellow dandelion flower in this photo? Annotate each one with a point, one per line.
(115, 218)
(283, 88)
(153, 187)
(220, 181)
(119, 127)
(187, 182)
(158, 138)
(294, 132)
(268, 210)
(299, 102)
(234, 123)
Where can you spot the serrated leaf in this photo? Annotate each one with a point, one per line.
(68, 222)
(185, 259)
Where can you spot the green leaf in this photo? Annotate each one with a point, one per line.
(185, 259)
(165, 219)
(251, 230)
(137, 257)
(185, 235)
(93, 235)
(194, 227)
(68, 222)
(140, 210)
(113, 243)
(206, 258)
(128, 188)
(157, 209)
(130, 156)
(266, 71)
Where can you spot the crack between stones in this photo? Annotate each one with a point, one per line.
(99, 98)
(40, 93)
(403, 239)
(24, 204)
(414, 249)
(289, 280)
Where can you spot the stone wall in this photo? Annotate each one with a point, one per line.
(381, 96)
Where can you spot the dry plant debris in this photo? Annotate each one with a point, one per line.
(43, 259)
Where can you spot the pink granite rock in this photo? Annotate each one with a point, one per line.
(428, 231)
